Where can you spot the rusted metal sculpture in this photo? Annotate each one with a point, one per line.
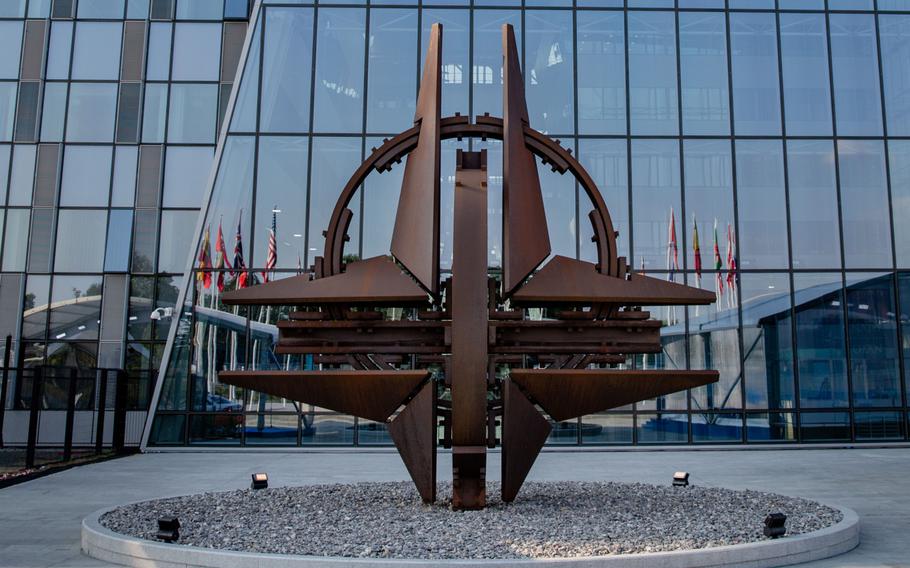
(471, 326)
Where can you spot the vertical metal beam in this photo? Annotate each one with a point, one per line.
(469, 336)
(4, 386)
(34, 405)
(119, 412)
(70, 415)
(102, 411)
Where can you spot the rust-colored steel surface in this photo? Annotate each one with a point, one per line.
(462, 353)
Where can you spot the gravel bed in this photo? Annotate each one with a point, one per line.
(387, 520)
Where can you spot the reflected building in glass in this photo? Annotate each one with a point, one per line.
(149, 147)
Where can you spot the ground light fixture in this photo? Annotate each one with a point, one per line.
(168, 529)
(681, 479)
(260, 481)
(775, 525)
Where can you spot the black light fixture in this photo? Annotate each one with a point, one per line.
(260, 481)
(681, 479)
(775, 525)
(168, 529)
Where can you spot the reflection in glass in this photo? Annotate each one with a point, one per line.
(652, 73)
(119, 233)
(281, 188)
(231, 198)
(8, 109)
(672, 356)
(607, 429)
(75, 308)
(708, 165)
(159, 52)
(177, 229)
(606, 162)
(762, 204)
(380, 196)
(820, 343)
(559, 203)
(80, 240)
(197, 51)
(53, 112)
(804, 56)
(155, 113)
(716, 427)
(124, 190)
(824, 426)
(881, 425)
(86, 179)
(108, 9)
(192, 113)
(58, 52)
(771, 427)
(96, 51)
(895, 37)
(338, 104)
(872, 329)
(864, 198)
(334, 159)
(549, 70)
(186, 173)
(35, 306)
(392, 82)
(286, 74)
(455, 60)
(756, 95)
(15, 240)
(854, 60)
(662, 428)
(244, 112)
(704, 74)
(91, 112)
(487, 64)
(815, 234)
(655, 192)
(767, 340)
(10, 47)
(22, 178)
(601, 72)
(714, 344)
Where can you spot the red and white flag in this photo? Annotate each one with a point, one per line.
(271, 260)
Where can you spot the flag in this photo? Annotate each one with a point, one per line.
(731, 264)
(718, 265)
(239, 265)
(696, 250)
(299, 264)
(221, 260)
(672, 249)
(272, 259)
(204, 262)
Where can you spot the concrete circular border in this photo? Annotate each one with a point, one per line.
(104, 544)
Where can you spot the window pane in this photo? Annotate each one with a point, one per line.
(713, 344)
(821, 354)
(185, 175)
(771, 427)
(703, 61)
(243, 118)
(137, 9)
(807, 93)
(282, 169)
(855, 63)
(231, 198)
(159, 52)
(91, 112)
(154, 113)
(824, 426)
(606, 162)
(864, 198)
(601, 73)
(756, 95)
(286, 75)
(339, 70)
(709, 195)
(58, 54)
(5, 152)
(76, 309)
(652, 73)
(813, 204)
(8, 109)
(393, 76)
(197, 52)
(895, 38)
(23, 174)
(124, 192)
(177, 229)
(108, 9)
(333, 161)
(192, 114)
(903, 283)
(96, 53)
(54, 112)
(767, 340)
(15, 240)
(199, 9)
(762, 204)
(549, 71)
(10, 47)
(119, 233)
(456, 63)
(80, 240)
(559, 203)
(655, 194)
(12, 9)
(486, 74)
(872, 326)
(86, 176)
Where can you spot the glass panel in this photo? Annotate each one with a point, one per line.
(656, 196)
(8, 109)
(487, 65)
(559, 201)
(607, 429)
(856, 82)
(767, 4)
(12, 9)
(714, 344)
(709, 195)
(197, 52)
(199, 9)
(393, 77)
(159, 52)
(22, 178)
(333, 429)
(872, 326)
(850, 4)
(662, 428)
(177, 229)
(35, 306)
(185, 175)
(549, 71)
(75, 308)
(192, 113)
(821, 353)
(80, 240)
(824, 426)
(895, 38)
(652, 73)
(606, 162)
(119, 233)
(899, 162)
(96, 52)
(5, 151)
(86, 177)
(813, 204)
(271, 429)
(703, 63)
(771, 427)
(879, 425)
(58, 54)
(286, 76)
(124, 189)
(601, 73)
(903, 283)
(767, 340)
(137, 9)
(701, 3)
(10, 47)
(714, 427)
(216, 429)
(282, 172)
(864, 198)
(762, 204)
(339, 70)
(15, 241)
(455, 57)
(232, 194)
(155, 112)
(756, 94)
(106, 9)
(91, 112)
(801, 5)
(807, 93)
(54, 112)
(334, 159)
(244, 114)
(236, 9)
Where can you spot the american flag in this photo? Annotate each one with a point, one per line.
(239, 265)
(272, 259)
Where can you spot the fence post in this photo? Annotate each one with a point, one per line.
(5, 383)
(119, 411)
(102, 412)
(70, 416)
(33, 418)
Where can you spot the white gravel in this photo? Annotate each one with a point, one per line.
(554, 519)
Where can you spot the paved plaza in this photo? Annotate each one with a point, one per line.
(40, 519)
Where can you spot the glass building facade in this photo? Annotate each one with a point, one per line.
(133, 133)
